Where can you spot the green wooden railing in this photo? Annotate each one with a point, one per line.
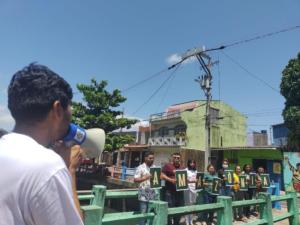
(158, 210)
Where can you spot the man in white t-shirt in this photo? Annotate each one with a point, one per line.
(142, 176)
(38, 186)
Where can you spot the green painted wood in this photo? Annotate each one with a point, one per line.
(84, 192)
(224, 217)
(99, 192)
(99, 199)
(125, 218)
(160, 210)
(257, 222)
(92, 214)
(195, 209)
(283, 217)
(292, 205)
(85, 197)
(121, 194)
(276, 198)
(266, 209)
(244, 203)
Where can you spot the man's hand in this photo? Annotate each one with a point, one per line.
(147, 177)
(173, 181)
(71, 155)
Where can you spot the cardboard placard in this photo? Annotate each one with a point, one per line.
(181, 180)
(252, 183)
(243, 183)
(155, 181)
(216, 186)
(229, 177)
(265, 180)
(199, 182)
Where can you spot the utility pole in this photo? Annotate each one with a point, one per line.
(205, 82)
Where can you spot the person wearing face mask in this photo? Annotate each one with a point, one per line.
(225, 191)
(173, 197)
(190, 195)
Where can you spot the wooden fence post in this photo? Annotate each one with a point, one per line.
(266, 209)
(160, 210)
(224, 217)
(99, 192)
(292, 205)
(92, 214)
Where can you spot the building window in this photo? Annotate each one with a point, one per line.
(180, 129)
(163, 131)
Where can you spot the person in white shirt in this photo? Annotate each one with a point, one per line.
(142, 176)
(38, 185)
(190, 195)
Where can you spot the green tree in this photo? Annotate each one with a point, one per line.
(98, 110)
(290, 89)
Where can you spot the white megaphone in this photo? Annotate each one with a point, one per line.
(91, 140)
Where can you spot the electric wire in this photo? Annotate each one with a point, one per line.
(213, 49)
(156, 91)
(145, 80)
(250, 73)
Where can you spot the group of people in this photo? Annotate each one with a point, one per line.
(189, 197)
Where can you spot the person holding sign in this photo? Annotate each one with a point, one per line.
(238, 194)
(190, 195)
(173, 197)
(142, 176)
(248, 195)
(226, 177)
(209, 196)
(259, 182)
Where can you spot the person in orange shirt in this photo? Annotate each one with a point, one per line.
(238, 195)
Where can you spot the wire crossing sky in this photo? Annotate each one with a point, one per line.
(131, 45)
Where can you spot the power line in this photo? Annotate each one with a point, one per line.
(262, 36)
(145, 80)
(166, 92)
(213, 49)
(157, 90)
(250, 73)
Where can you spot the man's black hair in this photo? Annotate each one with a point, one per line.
(148, 153)
(176, 153)
(32, 92)
(297, 165)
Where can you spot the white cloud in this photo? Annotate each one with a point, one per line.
(175, 58)
(6, 120)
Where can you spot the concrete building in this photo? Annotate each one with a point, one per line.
(181, 128)
(280, 134)
(257, 138)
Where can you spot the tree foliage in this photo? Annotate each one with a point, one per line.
(290, 89)
(98, 110)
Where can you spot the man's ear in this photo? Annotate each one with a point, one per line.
(57, 109)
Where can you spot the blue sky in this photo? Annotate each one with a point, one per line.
(125, 41)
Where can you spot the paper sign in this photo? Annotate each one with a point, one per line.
(243, 183)
(199, 182)
(265, 180)
(216, 186)
(155, 177)
(229, 177)
(252, 183)
(181, 180)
